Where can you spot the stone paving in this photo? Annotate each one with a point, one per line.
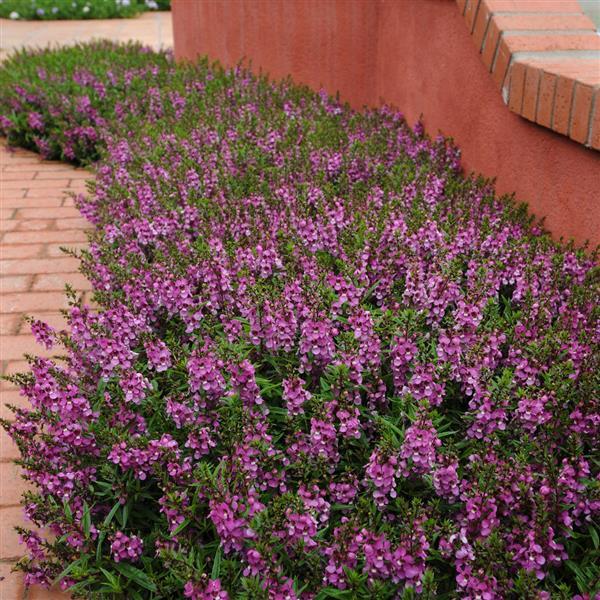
(37, 218)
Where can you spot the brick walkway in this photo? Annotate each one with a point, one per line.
(37, 217)
(152, 28)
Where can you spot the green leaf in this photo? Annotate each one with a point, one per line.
(125, 515)
(111, 514)
(332, 593)
(71, 567)
(101, 538)
(81, 585)
(112, 580)
(217, 564)
(134, 574)
(181, 527)
(594, 535)
(68, 512)
(86, 520)
(574, 567)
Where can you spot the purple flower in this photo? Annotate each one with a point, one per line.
(381, 473)
(205, 375)
(211, 591)
(35, 121)
(125, 547)
(315, 343)
(159, 356)
(135, 386)
(231, 527)
(295, 395)
(43, 333)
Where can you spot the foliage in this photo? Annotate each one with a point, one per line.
(326, 365)
(48, 10)
(62, 102)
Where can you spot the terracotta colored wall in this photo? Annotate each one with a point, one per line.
(417, 55)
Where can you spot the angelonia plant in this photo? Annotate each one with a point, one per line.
(62, 103)
(325, 364)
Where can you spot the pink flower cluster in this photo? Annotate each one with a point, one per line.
(125, 547)
(211, 591)
(323, 358)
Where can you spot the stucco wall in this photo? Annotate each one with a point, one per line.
(417, 55)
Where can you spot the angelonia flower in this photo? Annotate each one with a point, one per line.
(211, 591)
(403, 353)
(445, 478)
(400, 563)
(159, 356)
(135, 386)
(323, 440)
(128, 548)
(43, 333)
(320, 358)
(233, 528)
(381, 473)
(35, 121)
(419, 447)
(300, 528)
(295, 395)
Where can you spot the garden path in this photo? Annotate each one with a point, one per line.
(152, 28)
(37, 217)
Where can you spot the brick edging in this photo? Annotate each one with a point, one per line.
(544, 57)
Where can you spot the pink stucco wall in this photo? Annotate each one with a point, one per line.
(418, 56)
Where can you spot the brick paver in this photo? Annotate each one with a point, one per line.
(151, 28)
(36, 219)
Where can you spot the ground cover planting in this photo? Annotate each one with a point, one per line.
(326, 364)
(48, 10)
(62, 103)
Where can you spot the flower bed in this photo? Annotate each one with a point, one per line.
(62, 103)
(326, 364)
(48, 10)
